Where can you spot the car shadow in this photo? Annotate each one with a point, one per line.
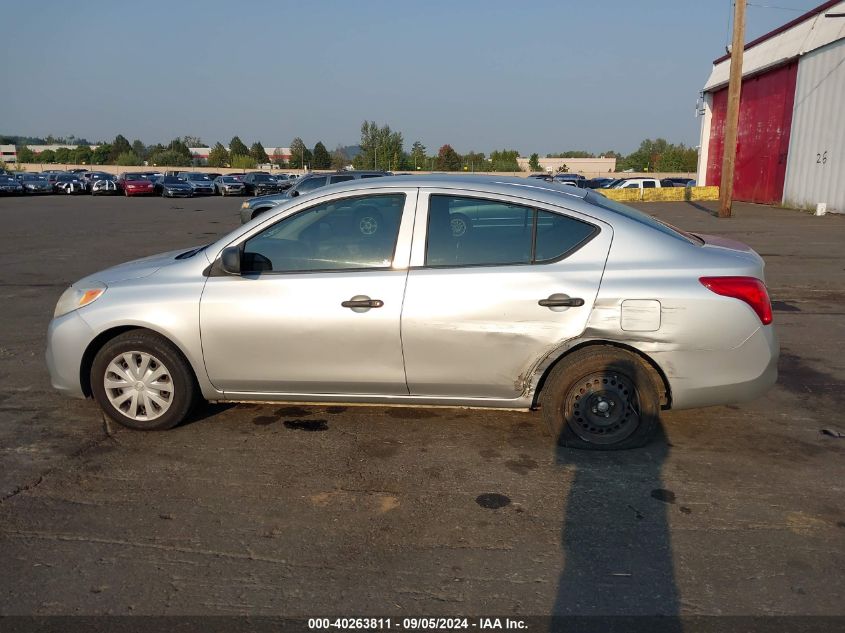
(617, 546)
(206, 410)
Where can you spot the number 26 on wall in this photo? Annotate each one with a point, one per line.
(821, 159)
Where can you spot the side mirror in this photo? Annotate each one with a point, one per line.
(294, 193)
(230, 260)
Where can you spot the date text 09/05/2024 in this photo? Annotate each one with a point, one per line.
(421, 624)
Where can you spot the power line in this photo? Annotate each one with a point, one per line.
(770, 6)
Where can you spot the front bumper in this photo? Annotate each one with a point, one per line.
(67, 338)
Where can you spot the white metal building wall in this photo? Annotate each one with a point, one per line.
(815, 167)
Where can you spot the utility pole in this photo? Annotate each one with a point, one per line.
(726, 189)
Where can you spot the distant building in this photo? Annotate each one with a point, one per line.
(791, 135)
(573, 165)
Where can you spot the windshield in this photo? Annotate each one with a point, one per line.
(263, 178)
(638, 216)
(171, 180)
(230, 180)
(197, 177)
(65, 178)
(134, 177)
(30, 177)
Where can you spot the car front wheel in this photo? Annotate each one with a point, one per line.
(141, 381)
(601, 398)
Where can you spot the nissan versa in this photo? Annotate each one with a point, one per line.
(458, 291)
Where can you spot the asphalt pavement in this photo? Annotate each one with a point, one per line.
(314, 511)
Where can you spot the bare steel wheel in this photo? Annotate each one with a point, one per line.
(141, 380)
(602, 398)
(139, 386)
(604, 407)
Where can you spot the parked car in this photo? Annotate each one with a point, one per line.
(541, 176)
(591, 311)
(637, 183)
(228, 186)
(68, 183)
(199, 182)
(172, 187)
(133, 184)
(259, 184)
(677, 182)
(52, 175)
(576, 180)
(304, 184)
(35, 183)
(10, 185)
(100, 182)
(79, 171)
(212, 176)
(598, 183)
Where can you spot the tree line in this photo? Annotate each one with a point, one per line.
(380, 148)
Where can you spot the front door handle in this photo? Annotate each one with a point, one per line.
(561, 301)
(362, 303)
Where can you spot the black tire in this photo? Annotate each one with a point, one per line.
(601, 398)
(185, 392)
(460, 224)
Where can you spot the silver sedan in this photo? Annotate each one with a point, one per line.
(550, 297)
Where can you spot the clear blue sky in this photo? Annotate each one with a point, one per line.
(534, 76)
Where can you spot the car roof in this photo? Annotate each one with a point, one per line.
(507, 185)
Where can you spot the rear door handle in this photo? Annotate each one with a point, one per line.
(561, 301)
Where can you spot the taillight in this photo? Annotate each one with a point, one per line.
(748, 289)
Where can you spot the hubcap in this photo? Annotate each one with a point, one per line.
(603, 408)
(459, 227)
(368, 225)
(139, 386)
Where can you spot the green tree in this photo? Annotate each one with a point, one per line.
(64, 155)
(504, 160)
(179, 147)
(578, 153)
(381, 148)
(241, 161)
(82, 155)
(100, 155)
(218, 156)
(25, 155)
(418, 157)
(128, 158)
(322, 159)
(339, 159)
(193, 141)
(140, 149)
(119, 146)
(300, 156)
(448, 159)
(168, 158)
(476, 161)
(258, 154)
(237, 147)
(534, 162)
(47, 156)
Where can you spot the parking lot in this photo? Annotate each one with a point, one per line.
(313, 511)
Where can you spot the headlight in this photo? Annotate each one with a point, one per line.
(74, 298)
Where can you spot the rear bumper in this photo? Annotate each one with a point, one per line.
(714, 377)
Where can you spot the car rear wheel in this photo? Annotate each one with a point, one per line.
(601, 398)
(141, 381)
